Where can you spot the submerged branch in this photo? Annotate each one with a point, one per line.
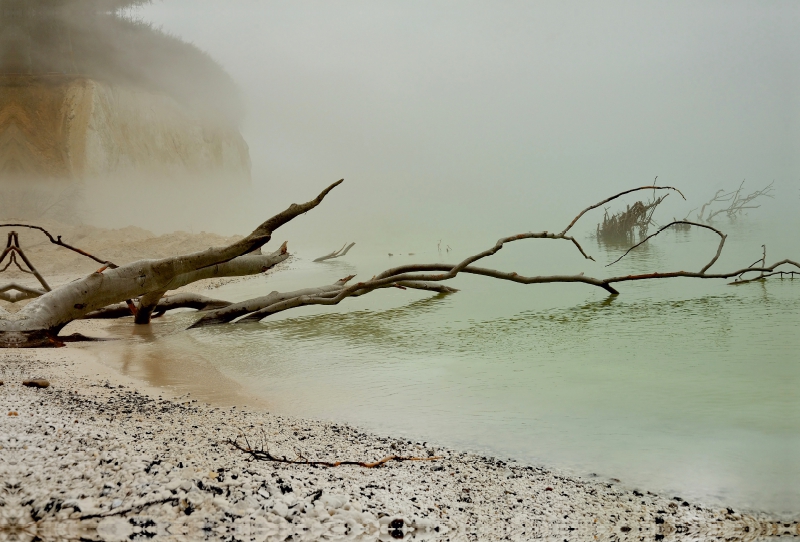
(336, 253)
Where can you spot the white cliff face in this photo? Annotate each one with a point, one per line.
(101, 131)
(131, 130)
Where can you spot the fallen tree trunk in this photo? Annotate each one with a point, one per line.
(183, 300)
(110, 292)
(39, 322)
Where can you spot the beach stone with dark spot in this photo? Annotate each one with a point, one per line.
(36, 383)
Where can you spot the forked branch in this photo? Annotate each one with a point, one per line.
(336, 253)
(736, 200)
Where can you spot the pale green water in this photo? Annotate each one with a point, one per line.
(683, 387)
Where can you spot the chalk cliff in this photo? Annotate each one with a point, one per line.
(72, 127)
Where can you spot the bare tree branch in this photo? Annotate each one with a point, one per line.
(336, 253)
(615, 196)
(41, 319)
(100, 294)
(722, 237)
(648, 276)
(399, 275)
(236, 310)
(738, 202)
(333, 294)
(183, 300)
(264, 455)
(147, 303)
(59, 242)
(13, 248)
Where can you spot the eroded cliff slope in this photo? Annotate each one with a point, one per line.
(62, 126)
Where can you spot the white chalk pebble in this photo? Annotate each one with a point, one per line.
(171, 464)
(281, 509)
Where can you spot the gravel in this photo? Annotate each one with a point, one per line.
(91, 459)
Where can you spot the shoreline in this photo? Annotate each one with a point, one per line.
(105, 456)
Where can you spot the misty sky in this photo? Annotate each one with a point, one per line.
(500, 117)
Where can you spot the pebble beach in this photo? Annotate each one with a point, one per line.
(97, 455)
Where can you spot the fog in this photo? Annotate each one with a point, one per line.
(490, 118)
(100, 40)
(447, 119)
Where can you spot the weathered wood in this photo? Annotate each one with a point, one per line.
(48, 314)
(183, 300)
(101, 294)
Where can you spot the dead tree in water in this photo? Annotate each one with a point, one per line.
(623, 227)
(141, 285)
(736, 200)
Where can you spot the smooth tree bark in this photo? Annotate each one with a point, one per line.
(110, 292)
(38, 323)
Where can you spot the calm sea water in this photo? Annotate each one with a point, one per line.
(685, 387)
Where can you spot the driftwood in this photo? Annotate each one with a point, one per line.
(39, 322)
(336, 253)
(140, 286)
(622, 227)
(263, 454)
(14, 292)
(166, 303)
(737, 201)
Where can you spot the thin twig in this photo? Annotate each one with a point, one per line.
(336, 253)
(265, 455)
(59, 242)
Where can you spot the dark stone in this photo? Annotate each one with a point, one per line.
(36, 383)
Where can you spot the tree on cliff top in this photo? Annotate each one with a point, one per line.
(91, 38)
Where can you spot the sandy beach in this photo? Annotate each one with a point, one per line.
(98, 455)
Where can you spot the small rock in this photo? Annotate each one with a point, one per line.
(281, 509)
(36, 383)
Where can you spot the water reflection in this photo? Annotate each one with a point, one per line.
(163, 356)
(678, 386)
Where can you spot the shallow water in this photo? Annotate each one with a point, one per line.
(683, 386)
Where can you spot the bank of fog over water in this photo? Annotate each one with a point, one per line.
(682, 387)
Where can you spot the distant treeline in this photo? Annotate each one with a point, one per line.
(93, 38)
